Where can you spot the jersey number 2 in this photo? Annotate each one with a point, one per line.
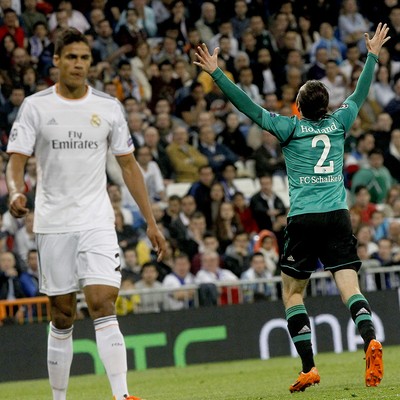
(319, 168)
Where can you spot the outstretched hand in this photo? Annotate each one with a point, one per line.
(380, 37)
(206, 61)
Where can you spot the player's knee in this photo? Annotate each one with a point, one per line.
(62, 319)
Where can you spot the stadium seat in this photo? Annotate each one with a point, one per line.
(246, 186)
(179, 189)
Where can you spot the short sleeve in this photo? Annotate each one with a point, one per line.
(24, 130)
(120, 138)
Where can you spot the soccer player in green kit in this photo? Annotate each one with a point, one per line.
(318, 221)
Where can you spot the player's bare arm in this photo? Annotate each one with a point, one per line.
(133, 179)
(16, 185)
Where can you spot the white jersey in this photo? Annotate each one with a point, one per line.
(70, 139)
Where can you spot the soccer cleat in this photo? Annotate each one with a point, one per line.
(305, 380)
(129, 398)
(374, 364)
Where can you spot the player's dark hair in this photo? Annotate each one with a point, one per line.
(313, 100)
(68, 36)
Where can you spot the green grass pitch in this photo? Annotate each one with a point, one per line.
(342, 378)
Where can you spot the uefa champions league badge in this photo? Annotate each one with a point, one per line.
(13, 134)
(95, 121)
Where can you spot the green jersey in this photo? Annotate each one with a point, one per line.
(313, 150)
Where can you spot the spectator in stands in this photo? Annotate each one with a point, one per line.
(190, 106)
(115, 195)
(185, 158)
(74, 17)
(209, 276)
(233, 137)
(10, 283)
(130, 33)
(308, 36)
(336, 48)
(264, 77)
(151, 173)
(200, 189)
(30, 278)
(358, 158)
(266, 205)
(394, 26)
(30, 17)
(246, 83)
(7, 46)
(177, 23)
(237, 255)
(24, 239)
(11, 26)
(268, 157)
(178, 226)
(353, 60)
(165, 85)
(226, 225)
(382, 130)
(136, 124)
(151, 138)
(393, 106)
(240, 21)
(335, 82)
(364, 236)
(151, 301)
(267, 245)
(126, 86)
(20, 60)
(376, 177)
(382, 88)
(386, 258)
(210, 242)
(9, 112)
(228, 176)
(127, 236)
(181, 276)
(169, 51)
(108, 49)
(257, 270)
(207, 24)
(217, 154)
(380, 225)
(130, 267)
(225, 30)
(244, 213)
(362, 203)
(147, 18)
(192, 242)
(392, 155)
(352, 25)
(317, 69)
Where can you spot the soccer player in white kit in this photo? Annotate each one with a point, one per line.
(69, 128)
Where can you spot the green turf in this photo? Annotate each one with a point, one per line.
(341, 379)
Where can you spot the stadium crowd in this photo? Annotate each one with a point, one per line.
(187, 135)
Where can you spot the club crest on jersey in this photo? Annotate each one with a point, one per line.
(95, 120)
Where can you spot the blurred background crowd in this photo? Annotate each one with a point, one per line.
(217, 182)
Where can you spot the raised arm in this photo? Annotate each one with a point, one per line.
(235, 95)
(374, 46)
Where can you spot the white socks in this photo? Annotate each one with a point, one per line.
(112, 351)
(59, 359)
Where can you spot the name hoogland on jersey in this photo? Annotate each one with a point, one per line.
(71, 190)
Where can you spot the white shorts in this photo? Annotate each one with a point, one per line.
(73, 260)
